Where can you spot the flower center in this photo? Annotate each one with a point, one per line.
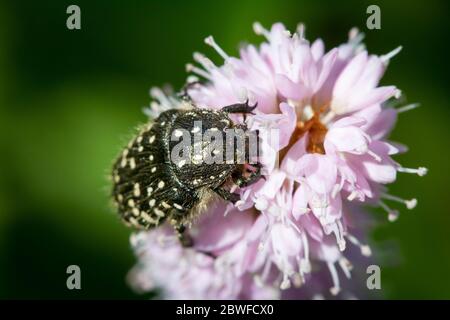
(316, 134)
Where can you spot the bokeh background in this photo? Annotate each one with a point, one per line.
(70, 99)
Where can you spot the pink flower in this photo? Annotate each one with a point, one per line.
(213, 269)
(323, 121)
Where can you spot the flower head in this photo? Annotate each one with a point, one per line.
(324, 122)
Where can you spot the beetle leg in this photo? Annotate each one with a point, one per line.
(184, 90)
(240, 108)
(254, 177)
(185, 239)
(227, 195)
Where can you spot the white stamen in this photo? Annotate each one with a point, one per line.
(398, 94)
(355, 37)
(408, 107)
(159, 95)
(392, 214)
(336, 189)
(352, 196)
(210, 41)
(335, 278)
(365, 249)
(346, 266)
(388, 56)
(353, 33)
(258, 281)
(328, 117)
(191, 68)
(410, 204)
(421, 171)
(260, 30)
(374, 155)
(304, 264)
(301, 31)
(338, 231)
(204, 61)
(298, 280)
(286, 283)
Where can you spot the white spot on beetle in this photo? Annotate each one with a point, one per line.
(153, 170)
(178, 133)
(176, 205)
(159, 212)
(161, 184)
(136, 190)
(166, 205)
(132, 163)
(123, 163)
(152, 202)
(181, 163)
(151, 139)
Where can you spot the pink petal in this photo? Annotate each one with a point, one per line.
(320, 172)
(347, 139)
(350, 75)
(290, 89)
(300, 202)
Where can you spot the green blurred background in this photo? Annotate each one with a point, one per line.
(69, 99)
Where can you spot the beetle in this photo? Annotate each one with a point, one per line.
(153, 183)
